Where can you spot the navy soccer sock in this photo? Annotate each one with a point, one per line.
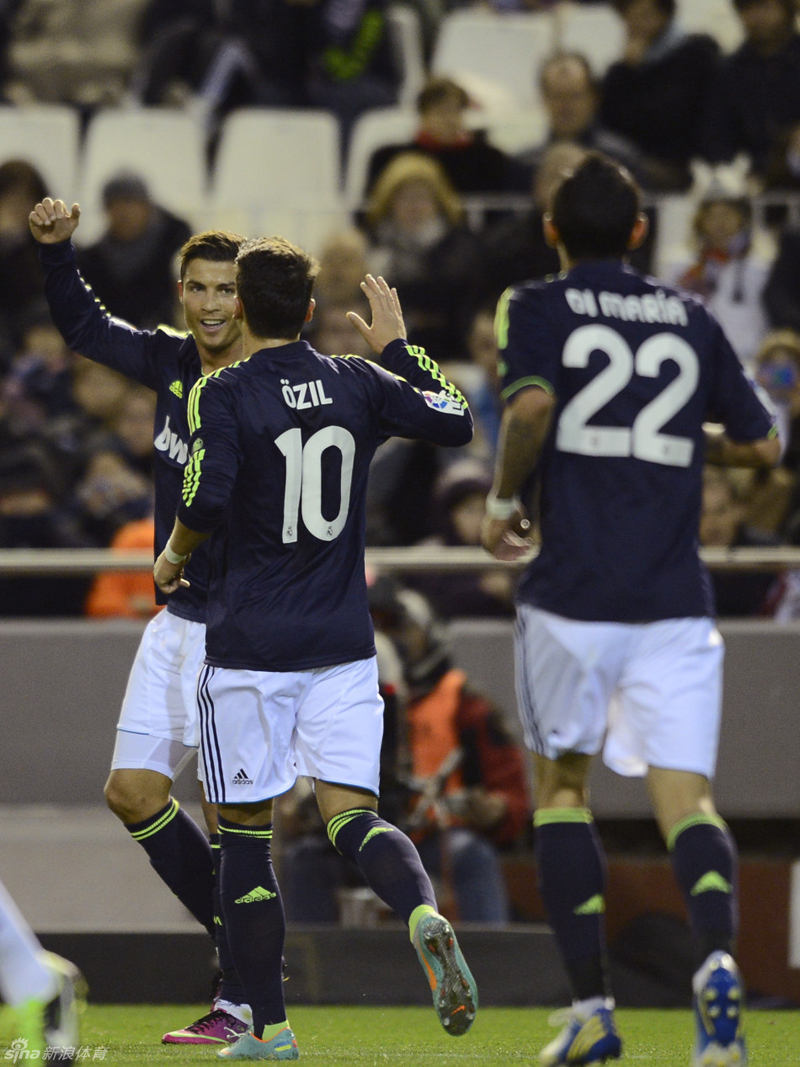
(181, 856)
(386, 858)
(253, 916)
(230, 988)
(704, 859)
(572, 877)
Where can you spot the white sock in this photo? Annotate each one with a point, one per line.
(24, 973)
(584, 1008)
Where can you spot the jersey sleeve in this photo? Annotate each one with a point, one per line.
(734, 400)
(87, 327)
(215, 455)
(431, 408)
(528, 356)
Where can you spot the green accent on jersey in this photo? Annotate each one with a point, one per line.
(711, 882)
(177, 389)
(191, 476)
(523, 383)
(501, 319)
(595, 905)
(373, 833)
(153, 828)
(171, 331)
(217, 920)
(344, 66)
(698, 819)
(549, 816)
(427, 364)
(265, 834)
(342, 819)
(772, 433)
(256, 895)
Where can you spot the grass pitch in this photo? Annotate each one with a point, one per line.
(412, 1037)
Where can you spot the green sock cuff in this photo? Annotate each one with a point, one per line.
(548, 816)
(273, 1030)
(158, 822)
(418, 913)
(699, 818)
(342, 819)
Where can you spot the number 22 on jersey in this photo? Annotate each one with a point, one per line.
(644, 440)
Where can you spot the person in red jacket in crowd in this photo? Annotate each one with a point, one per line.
(451, 774)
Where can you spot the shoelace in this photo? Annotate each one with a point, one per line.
(208, 1021)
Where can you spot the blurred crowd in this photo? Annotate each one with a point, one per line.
(721, 131)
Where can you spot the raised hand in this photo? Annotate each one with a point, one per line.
(50, 222)
(387, 315)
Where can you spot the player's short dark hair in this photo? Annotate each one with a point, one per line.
(595, 209)
(218, 246)
(435, 90)
(666, 7)
(274, 281)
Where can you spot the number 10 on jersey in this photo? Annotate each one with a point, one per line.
(303, 494)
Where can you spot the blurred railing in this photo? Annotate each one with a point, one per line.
(78, 561)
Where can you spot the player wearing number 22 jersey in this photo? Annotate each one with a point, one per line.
(636, 368)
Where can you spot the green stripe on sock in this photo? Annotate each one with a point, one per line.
(595, 905)
(711, 882)
(547, 816)
(699, 818)
(167, 817)
(245, 833)
(338, 821)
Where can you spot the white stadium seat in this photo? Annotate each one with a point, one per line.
(513, 132)
(163, 146)
(714, 17)
(373, 130)
(595, 30)
(406, 36)
(504, 51)
(277, 171)
(48, 136)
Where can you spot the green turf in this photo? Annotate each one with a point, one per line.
(412, 1037)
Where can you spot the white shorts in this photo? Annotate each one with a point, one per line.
(647, 694)
(158, 727)
(260, 730)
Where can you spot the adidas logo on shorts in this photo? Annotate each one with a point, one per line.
(240, 778)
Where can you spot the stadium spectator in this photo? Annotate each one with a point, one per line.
(31, 517)
(470, 162)
(782, 290)
(656, 95)
(109, 495)
(616, 646)
(132, 428)
(571, 99)
(458, 508)
(131, 267)
(38, 387)
(342, 266)
(739, 593)
(419, 243)
(21, 186)
(331, 333)
(731, 266)
(125, 594)
(778, 371)
(755, 101)
(477, 378)
(460, 820)
(304, 642)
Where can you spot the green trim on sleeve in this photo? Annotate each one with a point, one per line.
(524, 383)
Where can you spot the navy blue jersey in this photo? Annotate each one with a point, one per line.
(167, 362)
(636, 369)
(280, 453)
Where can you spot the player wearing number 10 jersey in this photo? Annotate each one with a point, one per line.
(279, 457)
(609, 378)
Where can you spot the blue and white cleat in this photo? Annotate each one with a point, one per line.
(283, 1046)
(587, 1037)
(718, 1003)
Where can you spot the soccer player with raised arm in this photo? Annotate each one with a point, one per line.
(158, 730)
(608, 380)
(280, 453)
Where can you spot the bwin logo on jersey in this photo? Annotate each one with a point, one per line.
(169, 442)
(443, 402)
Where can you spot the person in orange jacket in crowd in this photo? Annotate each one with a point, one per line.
(125, 594)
